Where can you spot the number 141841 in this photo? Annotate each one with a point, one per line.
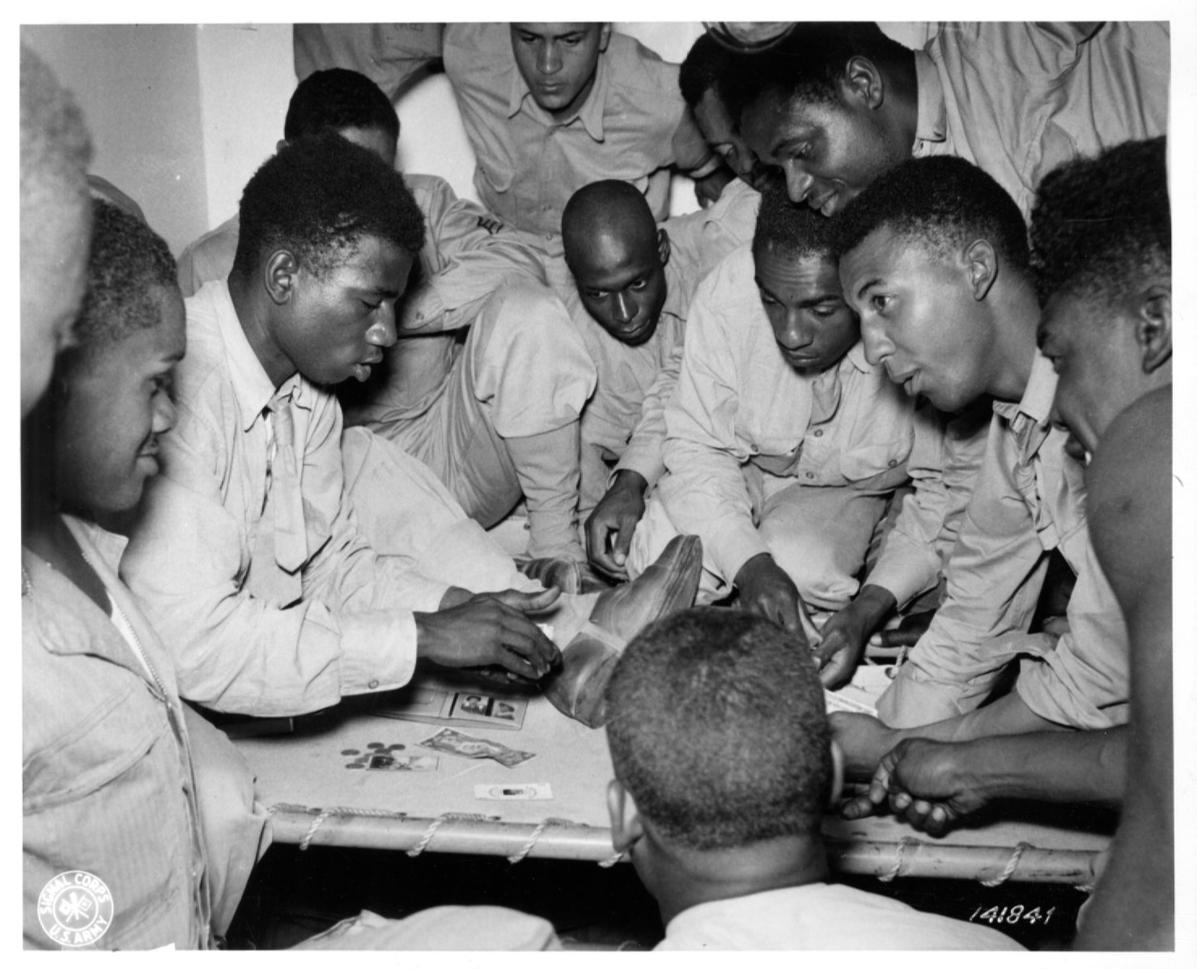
(1012, 914)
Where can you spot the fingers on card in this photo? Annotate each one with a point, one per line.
(387, 757)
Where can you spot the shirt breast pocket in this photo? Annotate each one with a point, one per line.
(880, 461)
(775, 435)
(95, 746)
(105, 794)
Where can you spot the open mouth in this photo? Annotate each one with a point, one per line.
(828, 204)
(908, 381)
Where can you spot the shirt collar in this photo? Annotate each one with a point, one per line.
(590, 114)
(251, 384)
(1037, 399)
(677, 293)
(932, 123)
(856, 357)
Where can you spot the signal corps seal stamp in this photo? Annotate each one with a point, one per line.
(75, 909)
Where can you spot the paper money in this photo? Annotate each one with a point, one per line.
(464, 745)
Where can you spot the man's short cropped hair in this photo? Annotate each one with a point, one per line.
(337, 99)
(317, 198)
(795, 229)
(808, 62)
(704, 68)
(1101, 225)
(718, 730)
(941, 203)
(128, 267)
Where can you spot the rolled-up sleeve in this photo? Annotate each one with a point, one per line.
(188, 563)
(1085, 681)
(645, 451)
(994, 578)
(469, 254)
(390, 55)
(943, 466)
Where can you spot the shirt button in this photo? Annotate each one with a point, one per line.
(819, 432)
(810, 474)
(893, 463)
(373, 684)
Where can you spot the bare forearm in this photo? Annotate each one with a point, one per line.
(1056, 766)
(1008, 715)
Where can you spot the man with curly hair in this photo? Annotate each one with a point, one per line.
(484, 385)
(1106, 327)
(833, 105)
(935, 259)
(723, 767)
(247, 558)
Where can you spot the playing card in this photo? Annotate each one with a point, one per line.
(455, 742)
(513, 792)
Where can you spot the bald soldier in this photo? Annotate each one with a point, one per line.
(628, 303)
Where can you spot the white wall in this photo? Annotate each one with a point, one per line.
(246, 76)
(138, 88)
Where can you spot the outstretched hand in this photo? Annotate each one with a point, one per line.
(841, 648)
(490, 629)
(844, 635)
(610, 526)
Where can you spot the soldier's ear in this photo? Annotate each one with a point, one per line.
(1153, 324)
(278, 275)
(982, 262)
(863, 82)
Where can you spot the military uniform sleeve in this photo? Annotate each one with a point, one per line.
(470, 254)
(188, 561)
(706, 495)
(994, 577)
(645, 451)
(390, 55)
(943, 466)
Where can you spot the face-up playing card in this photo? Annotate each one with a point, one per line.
(463, 745)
